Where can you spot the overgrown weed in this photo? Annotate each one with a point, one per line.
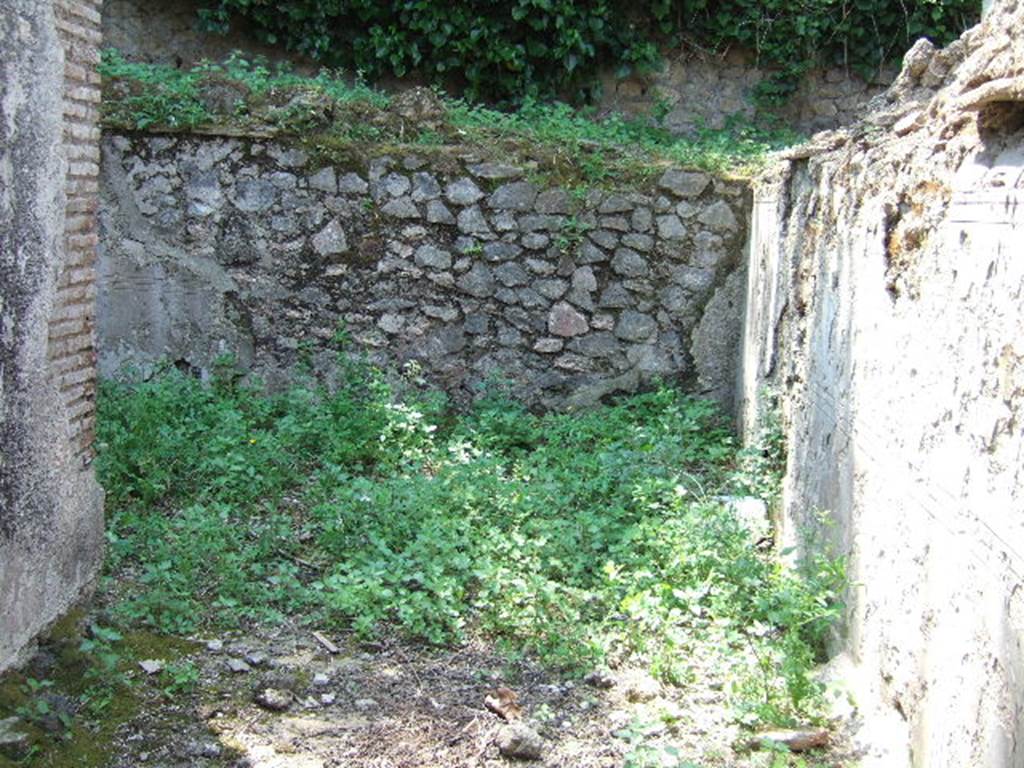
(331, 110)
(583, 538)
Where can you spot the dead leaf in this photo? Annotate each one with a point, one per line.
(798, 740)
(504, 702)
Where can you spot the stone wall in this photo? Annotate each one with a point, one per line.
(50, 506)
(704, 89)
(168, 33)
(700, 88)
(885, 309)
(231, 245)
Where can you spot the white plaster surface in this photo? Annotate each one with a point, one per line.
(886, 305)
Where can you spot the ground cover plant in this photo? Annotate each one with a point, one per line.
(343, 116)
(579, 539)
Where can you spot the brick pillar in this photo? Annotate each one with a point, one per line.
(51, 514)
(71, 340)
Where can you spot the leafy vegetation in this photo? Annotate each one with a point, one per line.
(541, 48)
(581, 538)
(338, 118)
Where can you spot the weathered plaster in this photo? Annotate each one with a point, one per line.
(50, 505)
(885, 306)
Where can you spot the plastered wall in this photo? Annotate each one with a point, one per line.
(50, 506)
(884, 311)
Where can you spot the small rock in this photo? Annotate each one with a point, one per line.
(364, 705)
(324, 180)
(684, 183)
(330, 240)
(504, 221)
(604, 238)
(401, 208)
(495, 171)
(425, 187)
(640, 688)
(600, 678)
(629, 263)
(501, 251)
(671, 228)
(215, 646)
(432, 257)
(471, 221)
(478, 282)
(327, 699)
(641, 220)
(540, 267)
(552, 288)
(352, 184)
(511, 274)
(642, 243)
(565, 321)
(254, 195)
(256, 658)
(238, 666)
(392, 185)
(445, 314)
(391, 322)
(320, 679)
(554, 200)
(590, 254)
(615, 223)
(534, 241)
(583, 279)
(615, 204)
(548, 346)
(635, 326)
(515, 196)
(204, 749)
(438, 213)
(12, 741)
(719, 217)
(520, 742)
(274, 699)
(151, 666)
(530, 299)
(463, 192)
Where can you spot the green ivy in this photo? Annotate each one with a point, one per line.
(537, 48)
(791, 36)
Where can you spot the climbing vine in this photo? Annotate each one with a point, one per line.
(789, 37)
(537, 48)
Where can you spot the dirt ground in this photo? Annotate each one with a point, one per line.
(282, 698)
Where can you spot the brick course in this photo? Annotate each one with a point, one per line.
(72, 347)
